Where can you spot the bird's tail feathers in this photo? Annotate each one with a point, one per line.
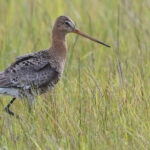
(4, 82)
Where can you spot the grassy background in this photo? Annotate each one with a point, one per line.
(102, 101)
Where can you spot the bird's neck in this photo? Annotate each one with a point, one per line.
(59, 44)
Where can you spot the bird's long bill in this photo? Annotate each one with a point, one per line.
(77, 31)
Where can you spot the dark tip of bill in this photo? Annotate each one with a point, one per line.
(107, 45)
(103, 43)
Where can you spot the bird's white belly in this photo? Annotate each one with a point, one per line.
(9, 91)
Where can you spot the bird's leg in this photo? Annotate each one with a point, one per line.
(8, 106)
(30, 102)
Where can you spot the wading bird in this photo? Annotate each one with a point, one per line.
(38, 72)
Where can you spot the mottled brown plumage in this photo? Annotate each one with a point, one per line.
(39, 72)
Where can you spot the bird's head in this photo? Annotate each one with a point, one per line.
(65, 25)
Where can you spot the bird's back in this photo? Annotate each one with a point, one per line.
(39, 71)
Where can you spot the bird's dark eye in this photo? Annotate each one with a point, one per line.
(67, 23)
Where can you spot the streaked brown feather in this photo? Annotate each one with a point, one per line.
(30, 71)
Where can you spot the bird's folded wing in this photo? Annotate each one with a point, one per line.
(27, 72)
(24, 57)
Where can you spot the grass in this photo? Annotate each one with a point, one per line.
(102, 101)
